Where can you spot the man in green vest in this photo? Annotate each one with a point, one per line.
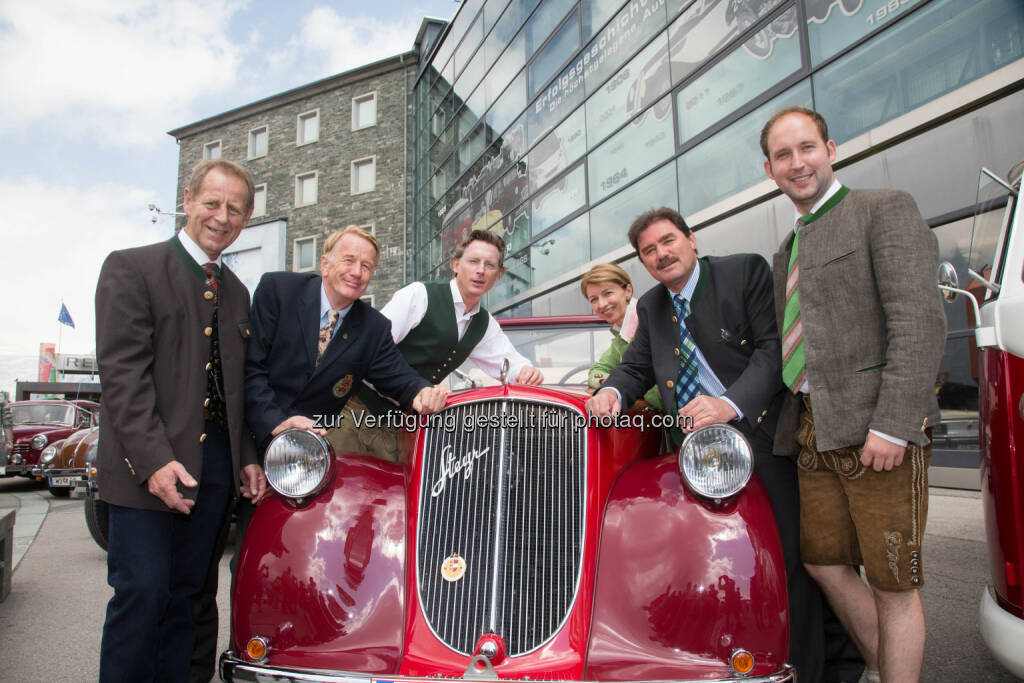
(437, 326)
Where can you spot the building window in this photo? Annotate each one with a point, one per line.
(364, 111)
(258, 142)
(364, 175)
(305, 188)
(304, 254)
(259, 201)
(308, 128)
(211, 150)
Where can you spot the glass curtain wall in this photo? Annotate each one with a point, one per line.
(555, 122)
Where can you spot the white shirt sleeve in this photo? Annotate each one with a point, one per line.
(406, 309)
(890, 439)
(495, 347)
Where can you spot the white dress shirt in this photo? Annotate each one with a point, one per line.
(408, 306)
(196, 252)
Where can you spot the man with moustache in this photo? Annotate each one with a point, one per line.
(314, 341)
(707, 339)
(863, 333)
(171, 327)
(437, 326)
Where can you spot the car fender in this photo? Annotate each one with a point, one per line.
(676, 572)
(327, 577)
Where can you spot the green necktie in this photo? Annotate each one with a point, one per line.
(794, 366)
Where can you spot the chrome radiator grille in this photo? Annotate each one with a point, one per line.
(508, 499)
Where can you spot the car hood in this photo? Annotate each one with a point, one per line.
(25, 432)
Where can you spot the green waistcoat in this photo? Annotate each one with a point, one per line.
(433, 347)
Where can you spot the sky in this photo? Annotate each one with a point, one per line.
(90, 90)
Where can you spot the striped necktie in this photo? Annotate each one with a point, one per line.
(794, 366)
(687, 384)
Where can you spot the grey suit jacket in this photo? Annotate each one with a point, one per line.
(873, 324)
(152, 351)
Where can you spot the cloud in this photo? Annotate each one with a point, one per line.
(55, 240)
(329, 42)
(114, 68)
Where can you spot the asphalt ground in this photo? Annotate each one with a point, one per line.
(50, 624)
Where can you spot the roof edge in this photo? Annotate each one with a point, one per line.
(384, 65)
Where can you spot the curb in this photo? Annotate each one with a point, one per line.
(31, 511)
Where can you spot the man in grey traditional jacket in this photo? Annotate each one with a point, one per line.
(862, 331)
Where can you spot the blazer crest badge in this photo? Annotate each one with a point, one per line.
(342, 386)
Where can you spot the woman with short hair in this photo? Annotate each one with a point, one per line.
(609, 291)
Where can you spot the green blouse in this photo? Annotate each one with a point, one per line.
(610, 360)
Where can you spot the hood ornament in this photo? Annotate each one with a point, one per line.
(504, 371)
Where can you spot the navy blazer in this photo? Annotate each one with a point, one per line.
(281, 379)
(732, 321)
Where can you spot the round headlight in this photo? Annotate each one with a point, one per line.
(92, 452)
(716, 461)
(38, 441)
(297, 463)
(48, 454)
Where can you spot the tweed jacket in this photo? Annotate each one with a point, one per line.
(732, 321)
(873, 324)
(282, 378)
(151, 317)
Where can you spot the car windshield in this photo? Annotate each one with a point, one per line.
(564, 353)
(44, 413)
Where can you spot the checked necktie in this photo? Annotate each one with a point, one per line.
(688, 384)
(794, 366)
(326, 332)
(212, 276)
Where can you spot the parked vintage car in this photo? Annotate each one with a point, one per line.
(6, 432)
(995, 266)
(520, 541)
(37, 424)
(65, 464)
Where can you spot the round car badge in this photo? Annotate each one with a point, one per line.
(453, 568)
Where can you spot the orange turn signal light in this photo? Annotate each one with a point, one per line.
(742, 662)
(256, 648)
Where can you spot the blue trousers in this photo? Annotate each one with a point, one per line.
(157, 563)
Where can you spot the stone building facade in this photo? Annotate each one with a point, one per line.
(324, 155)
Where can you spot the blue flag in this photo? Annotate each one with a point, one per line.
(64, 317)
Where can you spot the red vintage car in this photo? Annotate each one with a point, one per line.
(65, 464)
(520, 541)
(38, 424)
(995, 266)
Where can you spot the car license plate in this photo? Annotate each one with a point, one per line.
(63, 481)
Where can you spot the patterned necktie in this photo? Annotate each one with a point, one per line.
(212, 276)
(688, 384)
(794, 366)
(326, 332)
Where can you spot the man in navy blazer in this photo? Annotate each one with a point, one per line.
(314, 341)
(729, 315)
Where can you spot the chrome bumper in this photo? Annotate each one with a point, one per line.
(1002, 632)
(233, 669)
